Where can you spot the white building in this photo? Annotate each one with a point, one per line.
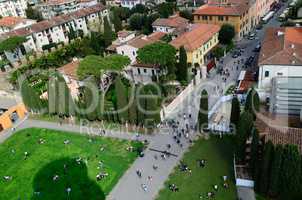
(53, 8)
(56, 29)
(131, 47)
(143, 73)
(8, 24)
(131, 3)
(280, 56)
(13, 8)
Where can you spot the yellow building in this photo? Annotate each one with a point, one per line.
(234, 12)
(198, 42)
(10, 112)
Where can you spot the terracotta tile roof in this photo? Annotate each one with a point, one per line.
(70, 69)
(124, 34)
(281, 46)
(139, 41)
(11, 21)
(56, 2)
(173, 21)
(57, 20)
(193, 39)
(284, 135)
(232, 8)
(156, 36)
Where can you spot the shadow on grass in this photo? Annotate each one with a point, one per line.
(71, 174)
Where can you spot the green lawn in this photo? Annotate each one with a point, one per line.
(219, 155)
(35, 174)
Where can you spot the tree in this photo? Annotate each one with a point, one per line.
(96, 43)
(93, 65)
(244, 127)
(122, 12)
(254, 158)
(252, 103)
(235, 112)
(147, 23)
(133, 107)
(266, 167)
(158, 53)
(275, 182)
(166, 9)
(226, 33)
(139, 8)
(108, 33)
(33, 14)
(182, 66)
(291, 173)
(203, 111)
(218, 52)
(12, 43)
(121, 94)
(187, 14)
(117, 22)
(136, 21)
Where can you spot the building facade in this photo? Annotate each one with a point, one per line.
(280, 66)
(14, 8)
(53, 8)
(56, 29)
(198, 42)
(173, 25)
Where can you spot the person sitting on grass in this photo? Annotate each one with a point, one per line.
(215, 187)
(173, 188)
(66, 142)
(7, 178)
(26, 155)
(201, 163)
(101, 176)
(55, 177)
(225, 185)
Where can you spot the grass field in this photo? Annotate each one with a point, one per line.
(32, 178)
(219, 156)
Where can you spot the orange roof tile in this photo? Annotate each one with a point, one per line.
(11, 21)
(233, 8)
(70, 69)
(173, 21)
(281, 46)
(193, 39)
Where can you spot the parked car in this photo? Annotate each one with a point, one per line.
(257, 48)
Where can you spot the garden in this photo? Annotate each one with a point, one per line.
(198, 181)
(48, 164)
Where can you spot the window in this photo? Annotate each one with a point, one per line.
(122, 52)
(133, 53)
(204, 17)
(210, 18)
(138, 70)
(227, 18)
(220, 18)
(266, 74)
(145, 71)
(153, 72)
(166, 29)
(279, 73)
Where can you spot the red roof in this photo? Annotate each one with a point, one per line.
(200, 34)
(173, 21)
(281, 46)
(232, 8)
(11, 21)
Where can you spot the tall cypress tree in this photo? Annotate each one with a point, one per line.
(266, 167)
(52, 95)
(235, 112)
(291, 173)
(252, 103)
(203, 111)
(244, 127)
(117, 22)
(133, 106)
(121, 95)
(275, 182)
(254, 152)
(108, 33)
(182, 66)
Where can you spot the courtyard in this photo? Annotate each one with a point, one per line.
(198, 181)
(47, 164)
